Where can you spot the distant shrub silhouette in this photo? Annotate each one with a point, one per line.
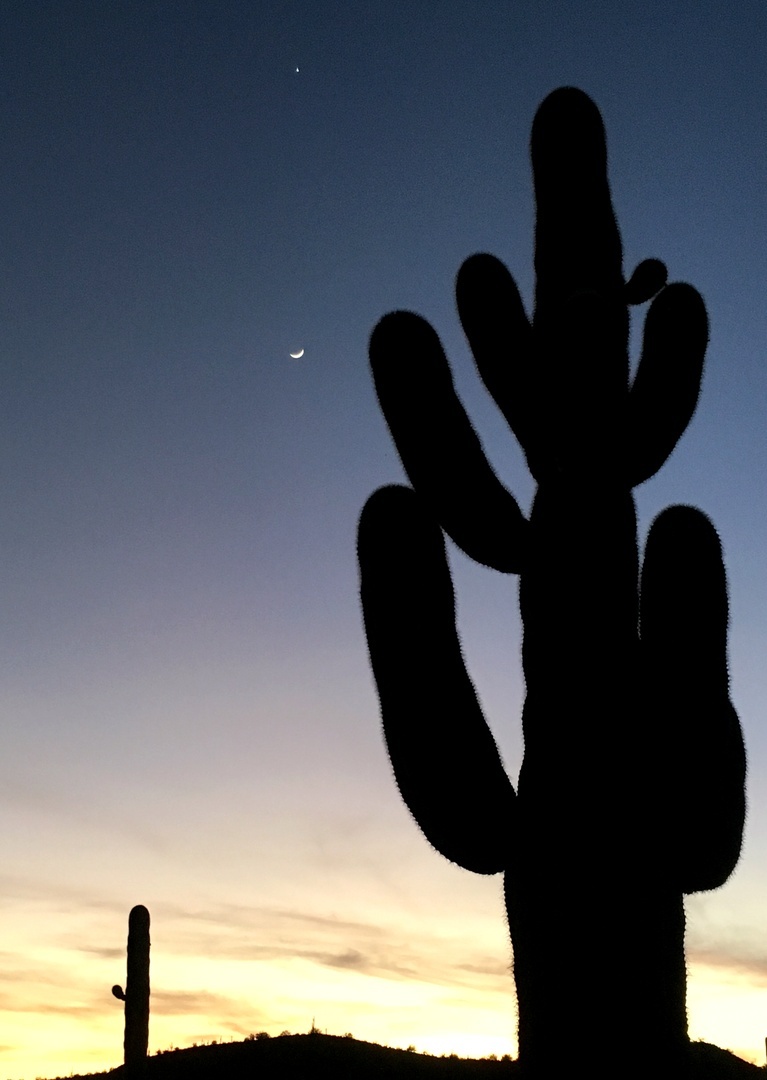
(136, 994)
(631, 791)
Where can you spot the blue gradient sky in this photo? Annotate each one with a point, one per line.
(187, 718)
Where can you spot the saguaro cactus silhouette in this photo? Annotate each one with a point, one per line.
(136, 995)
(631, 790)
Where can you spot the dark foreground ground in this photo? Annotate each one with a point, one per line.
(335, 1057)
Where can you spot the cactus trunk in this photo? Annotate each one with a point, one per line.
(583, 801)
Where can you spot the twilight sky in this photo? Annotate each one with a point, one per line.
(189, 193)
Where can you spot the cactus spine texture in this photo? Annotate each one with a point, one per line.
(631, 790)
(136, 995)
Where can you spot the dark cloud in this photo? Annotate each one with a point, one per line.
(103, 952)
(64, 898)
(488, 966)
(349, 959)
(742, 958)
(183, 1002)
(403, 962)
(238, 1018)
(17, 969)
(51, 1006)
(244, 917)
(242, 932)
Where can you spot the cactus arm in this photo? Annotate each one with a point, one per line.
(444, 757)
(500, 337)
(683, 623)
(502, 343)
(665, 390)
(439, 449)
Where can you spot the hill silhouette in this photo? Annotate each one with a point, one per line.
(336, 1057)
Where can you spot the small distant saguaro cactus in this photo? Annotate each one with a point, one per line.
(631, 790)
(136, 994)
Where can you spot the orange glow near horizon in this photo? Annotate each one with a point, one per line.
(62, 1017)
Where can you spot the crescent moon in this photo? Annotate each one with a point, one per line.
(297, 355)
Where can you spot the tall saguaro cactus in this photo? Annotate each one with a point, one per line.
(631, 790)
(136, 995)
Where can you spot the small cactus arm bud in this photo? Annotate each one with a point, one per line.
(647, 280)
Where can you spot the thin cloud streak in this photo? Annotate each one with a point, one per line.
(239, 932)
(738, 961)
(190, 1002)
